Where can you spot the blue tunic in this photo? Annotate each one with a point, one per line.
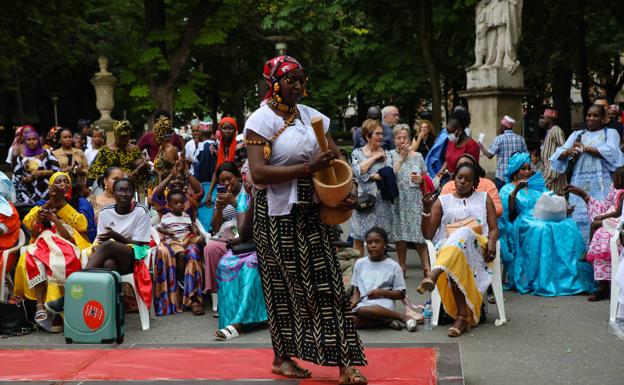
(541, 257)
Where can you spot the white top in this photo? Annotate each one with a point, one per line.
(368, 276)
(456, 209)
(180, 226)
(90, 154)
(189, 149)
(134, 226)
(295, 145)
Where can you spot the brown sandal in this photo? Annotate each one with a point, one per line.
(426, 284)
(456, 331)
(352, 376)
(197, 308)
(291, 369)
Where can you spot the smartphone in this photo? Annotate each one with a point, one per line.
(222, 189)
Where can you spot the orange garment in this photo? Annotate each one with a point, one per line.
(485, 185)
(12, 223)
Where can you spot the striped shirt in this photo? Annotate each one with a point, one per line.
(504, 146)
(180, 226)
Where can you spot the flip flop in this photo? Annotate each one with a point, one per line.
(229, 332)
(411, 325)
(41, 315)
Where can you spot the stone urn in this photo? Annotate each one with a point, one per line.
(104, 83)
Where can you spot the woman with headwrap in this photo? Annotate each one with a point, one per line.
(167, 155)
(121, 153)
(59, 228)
(541, 256)
(306, 301)
(71, 160)
(228, 150)
(33, 168)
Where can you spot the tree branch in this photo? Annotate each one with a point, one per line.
(198, 17)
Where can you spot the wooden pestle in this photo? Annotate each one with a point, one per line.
(327, 176)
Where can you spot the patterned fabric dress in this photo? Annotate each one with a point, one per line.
(381, 214)
(303, 290)
(408, 206)
(599, 253)
(37, 189)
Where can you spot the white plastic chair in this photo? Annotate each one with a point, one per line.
(21, 240)
(206, 235)
(497, 285)
(615, 288)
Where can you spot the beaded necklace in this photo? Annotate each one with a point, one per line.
(267, 144)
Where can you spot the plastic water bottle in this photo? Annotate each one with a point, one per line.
(428, 313)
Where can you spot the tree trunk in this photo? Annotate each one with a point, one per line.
(583, 71)
(561, 85)
(19, 102)
(615, 79)
(425, 26)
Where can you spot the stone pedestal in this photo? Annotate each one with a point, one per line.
(104, 83)
(493, 93)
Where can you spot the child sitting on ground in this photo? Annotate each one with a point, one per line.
(178, 259)
(378, 282)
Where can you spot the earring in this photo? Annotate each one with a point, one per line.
(305, 93)
(276, 87)
(105, 186)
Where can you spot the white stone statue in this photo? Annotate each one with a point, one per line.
(498, 26)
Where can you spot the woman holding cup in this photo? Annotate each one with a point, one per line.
(409, 167)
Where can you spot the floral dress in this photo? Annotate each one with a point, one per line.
(37, 189)
(108, 157)
(408, 206)
(381, 214)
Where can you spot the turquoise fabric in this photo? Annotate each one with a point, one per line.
(204, 214)
(541, 257)
(240, 295)
(140, 251)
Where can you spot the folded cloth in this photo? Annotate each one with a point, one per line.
(387, 185)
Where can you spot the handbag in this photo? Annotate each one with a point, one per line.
(365, 202)
(471, 222)
(243, 248)
(17, 317)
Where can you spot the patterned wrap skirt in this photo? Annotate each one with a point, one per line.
(306, 302)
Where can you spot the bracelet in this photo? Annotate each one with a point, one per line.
(306, 169)
(426, 215)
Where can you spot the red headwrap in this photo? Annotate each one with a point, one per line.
(277, 67)
(232, 149)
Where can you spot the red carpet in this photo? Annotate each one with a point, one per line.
(414, 366)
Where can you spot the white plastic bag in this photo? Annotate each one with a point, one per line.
(550, 207)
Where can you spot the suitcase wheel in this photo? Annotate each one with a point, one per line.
(119, 340)
(68, 340)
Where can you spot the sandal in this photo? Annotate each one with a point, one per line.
(197, 308)
(394, 324)
(411, 325)
(291, 369)
(597, 296)
(463, 327)
(352, 376)
(41, 314)
(426, 284)
(227, 333)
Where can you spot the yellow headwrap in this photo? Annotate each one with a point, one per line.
(162, 128)
(57, 174)
(122, 128)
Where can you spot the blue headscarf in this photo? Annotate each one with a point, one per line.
(515, 163)
(7, 194)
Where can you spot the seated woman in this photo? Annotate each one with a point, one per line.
(603, 216)
(106, 197)
(485, 185)
(42, 271)
(178, 179)
(378, 282)
(241, 303)
(33, 168)
(178, 260)
(123, 238)
(223, 222)
(465, 230)
(9, 217)
(540, 256)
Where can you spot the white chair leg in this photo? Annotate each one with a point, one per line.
(615, 288)
(143, 311)
(5, 259)
(497, 285)
(436, 301)
(213, 298)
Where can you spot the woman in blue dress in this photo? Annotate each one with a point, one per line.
(240, 298)
(541, 257)
(597, 153)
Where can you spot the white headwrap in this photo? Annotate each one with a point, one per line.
(7, 193)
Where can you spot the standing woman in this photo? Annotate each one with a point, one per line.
(306, 301)
(459, 143)
(409, 166)
(121, 153)
(424, 139)
(366, 162)
(71, 159)
(597, 153)
(99, 140)
(34, 166)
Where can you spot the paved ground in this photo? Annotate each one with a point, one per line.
(550, 341)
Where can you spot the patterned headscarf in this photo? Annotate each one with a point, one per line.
(162, 129)
(516, 162)
(122, 128)
(277, 67)
(31, 133)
